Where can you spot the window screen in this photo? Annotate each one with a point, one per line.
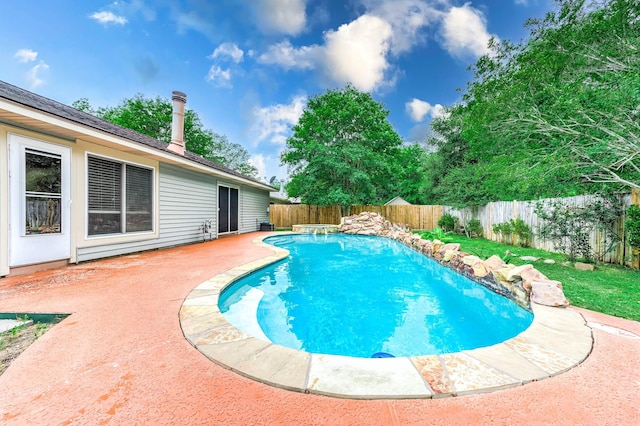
(120, 197)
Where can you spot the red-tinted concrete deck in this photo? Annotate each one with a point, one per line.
(121, 358)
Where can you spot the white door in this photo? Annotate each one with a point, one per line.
(39, 201)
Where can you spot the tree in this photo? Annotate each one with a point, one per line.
(412, 172)
(555, 115)
(152, 117)
(587, 102)
(343, 151)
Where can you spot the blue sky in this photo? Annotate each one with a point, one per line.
(248, 66)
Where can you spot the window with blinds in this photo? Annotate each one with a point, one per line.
(139, 199)
(120, 197)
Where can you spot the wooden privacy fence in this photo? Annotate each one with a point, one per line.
(287, 215)
(416, 217)
(426, 217)
(504, 211)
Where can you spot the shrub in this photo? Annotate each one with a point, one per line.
(632, 226)
(437, 234)
(474, 228)
(448, 222)
(504, 230)
(522, 231)
(516, 227)
(570, 227)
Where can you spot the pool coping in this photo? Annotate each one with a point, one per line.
(557, 340)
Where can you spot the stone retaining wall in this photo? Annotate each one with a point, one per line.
(522, 284)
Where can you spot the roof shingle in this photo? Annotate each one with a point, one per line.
(57, 109)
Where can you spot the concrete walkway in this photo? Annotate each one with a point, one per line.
(121, 358)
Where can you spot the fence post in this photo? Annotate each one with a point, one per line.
(491, 220)
(514, 237)
(635, 253)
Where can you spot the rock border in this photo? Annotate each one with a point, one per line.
(522, 284)
(556, 341)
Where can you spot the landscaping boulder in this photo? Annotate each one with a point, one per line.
(529, 258)
(584, 266)
(548, 293)
(480, 269)
(450, 246)
(530, 275)
(502, 273)
(494, 263)
(516, 272)
(470, 260)
(448, 255)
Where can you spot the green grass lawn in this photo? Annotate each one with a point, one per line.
(609, 289)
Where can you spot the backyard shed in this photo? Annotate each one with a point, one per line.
(397, 201)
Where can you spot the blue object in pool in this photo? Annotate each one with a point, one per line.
(356, 296)
(382, 355)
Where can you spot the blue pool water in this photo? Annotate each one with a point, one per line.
(359, 296)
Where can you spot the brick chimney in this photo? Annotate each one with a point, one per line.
(177, 122)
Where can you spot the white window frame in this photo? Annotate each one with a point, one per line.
(154, 200)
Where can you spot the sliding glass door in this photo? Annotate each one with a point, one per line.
(227, 210)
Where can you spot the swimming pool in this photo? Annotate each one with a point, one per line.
(359, 296)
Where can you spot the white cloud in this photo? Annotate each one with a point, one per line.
(464, 32)
(407, 18)
(362, 51)
(194, 21)
(35, 76)
(219, 77)
(274, 122)
(438, 111)
(418, 109)
(258, 162)
(106, 18)
(281, 16)
(357, 51)
(25, 55)
(522, 2)
(134, 7)
(288, 57)
(354, 53)
(230, 50)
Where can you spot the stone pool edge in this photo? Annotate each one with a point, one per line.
(557, 340)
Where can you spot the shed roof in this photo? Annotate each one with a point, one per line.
(397, 201)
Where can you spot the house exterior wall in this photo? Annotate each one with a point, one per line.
(187, 199)
(85, 247)
(183, 200)
(253, 208)
(5, 175)
(4, 203)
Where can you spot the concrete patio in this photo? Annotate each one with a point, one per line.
(121, 358)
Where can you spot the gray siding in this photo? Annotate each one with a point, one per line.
(186, 200)
(253, 208)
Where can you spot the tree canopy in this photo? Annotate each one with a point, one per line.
(152, 117)
(555, 115)
(343, 151)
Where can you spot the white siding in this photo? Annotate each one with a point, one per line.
(253, 208)
(186, 200)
